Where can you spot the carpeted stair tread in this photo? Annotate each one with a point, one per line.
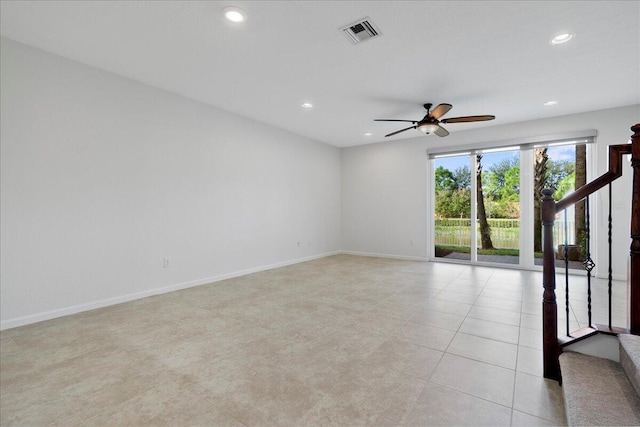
(630, 358)
(597, 392)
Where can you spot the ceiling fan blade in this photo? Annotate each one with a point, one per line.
(440, 110)
(468, 119)
(401, 130)
(394, 120)
(441, 131)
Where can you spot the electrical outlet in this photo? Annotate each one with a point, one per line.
(167, 263)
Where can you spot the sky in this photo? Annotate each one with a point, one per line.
(560, 153)
(453, 163)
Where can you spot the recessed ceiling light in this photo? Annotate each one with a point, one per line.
(550, 103)
(234, 14)
(562, 38)
(307, 105)
(368, 134)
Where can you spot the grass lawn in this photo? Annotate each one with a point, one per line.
(444, 250)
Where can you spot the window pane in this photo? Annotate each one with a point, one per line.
(453, 207)
(498, 188)
(562, 169)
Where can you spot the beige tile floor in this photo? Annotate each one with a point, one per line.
(342, 341)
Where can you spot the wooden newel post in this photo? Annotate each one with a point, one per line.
(634, 271)
(549, 306)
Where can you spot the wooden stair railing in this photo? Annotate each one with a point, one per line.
(549, 208)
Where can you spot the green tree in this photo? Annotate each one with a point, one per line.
(564, 186)
(445, 180)
(485, 230)
(462, 177)
(453, 192)
(501, 185)
(556, 171)
(504, 185)
(580, 180)
(554, 174)
(502, 180)
(539, 183)
(453, 204)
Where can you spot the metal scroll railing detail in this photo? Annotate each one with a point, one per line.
(588, 263)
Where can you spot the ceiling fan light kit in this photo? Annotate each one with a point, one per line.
(428, 128)
(430, 123)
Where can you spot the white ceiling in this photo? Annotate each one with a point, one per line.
(484, 57)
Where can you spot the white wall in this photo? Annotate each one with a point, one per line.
(384, 199)
(384, 186)
(102, 178)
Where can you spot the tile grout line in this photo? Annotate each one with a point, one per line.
(515, 375)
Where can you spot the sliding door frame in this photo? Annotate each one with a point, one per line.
(526, 147)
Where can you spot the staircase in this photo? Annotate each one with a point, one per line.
(597, 391)
(601, 392)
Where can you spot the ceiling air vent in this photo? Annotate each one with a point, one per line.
(361, 30)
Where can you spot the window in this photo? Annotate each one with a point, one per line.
(485, 202)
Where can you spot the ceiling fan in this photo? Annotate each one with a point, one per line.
(430, 123)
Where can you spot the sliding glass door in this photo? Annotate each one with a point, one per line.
(486, 207)
(452, 221)
(562, 167)
(477, 206)
(498, 206)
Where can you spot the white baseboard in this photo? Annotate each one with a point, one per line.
(66, 311)
(391, 256)
(52, 314)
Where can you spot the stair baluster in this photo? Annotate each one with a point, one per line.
(566, 270)
(549, 208)
(610, 240)
(588, 262)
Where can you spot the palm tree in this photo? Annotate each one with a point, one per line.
(581, 179)
(539, 182)
(485, 230)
